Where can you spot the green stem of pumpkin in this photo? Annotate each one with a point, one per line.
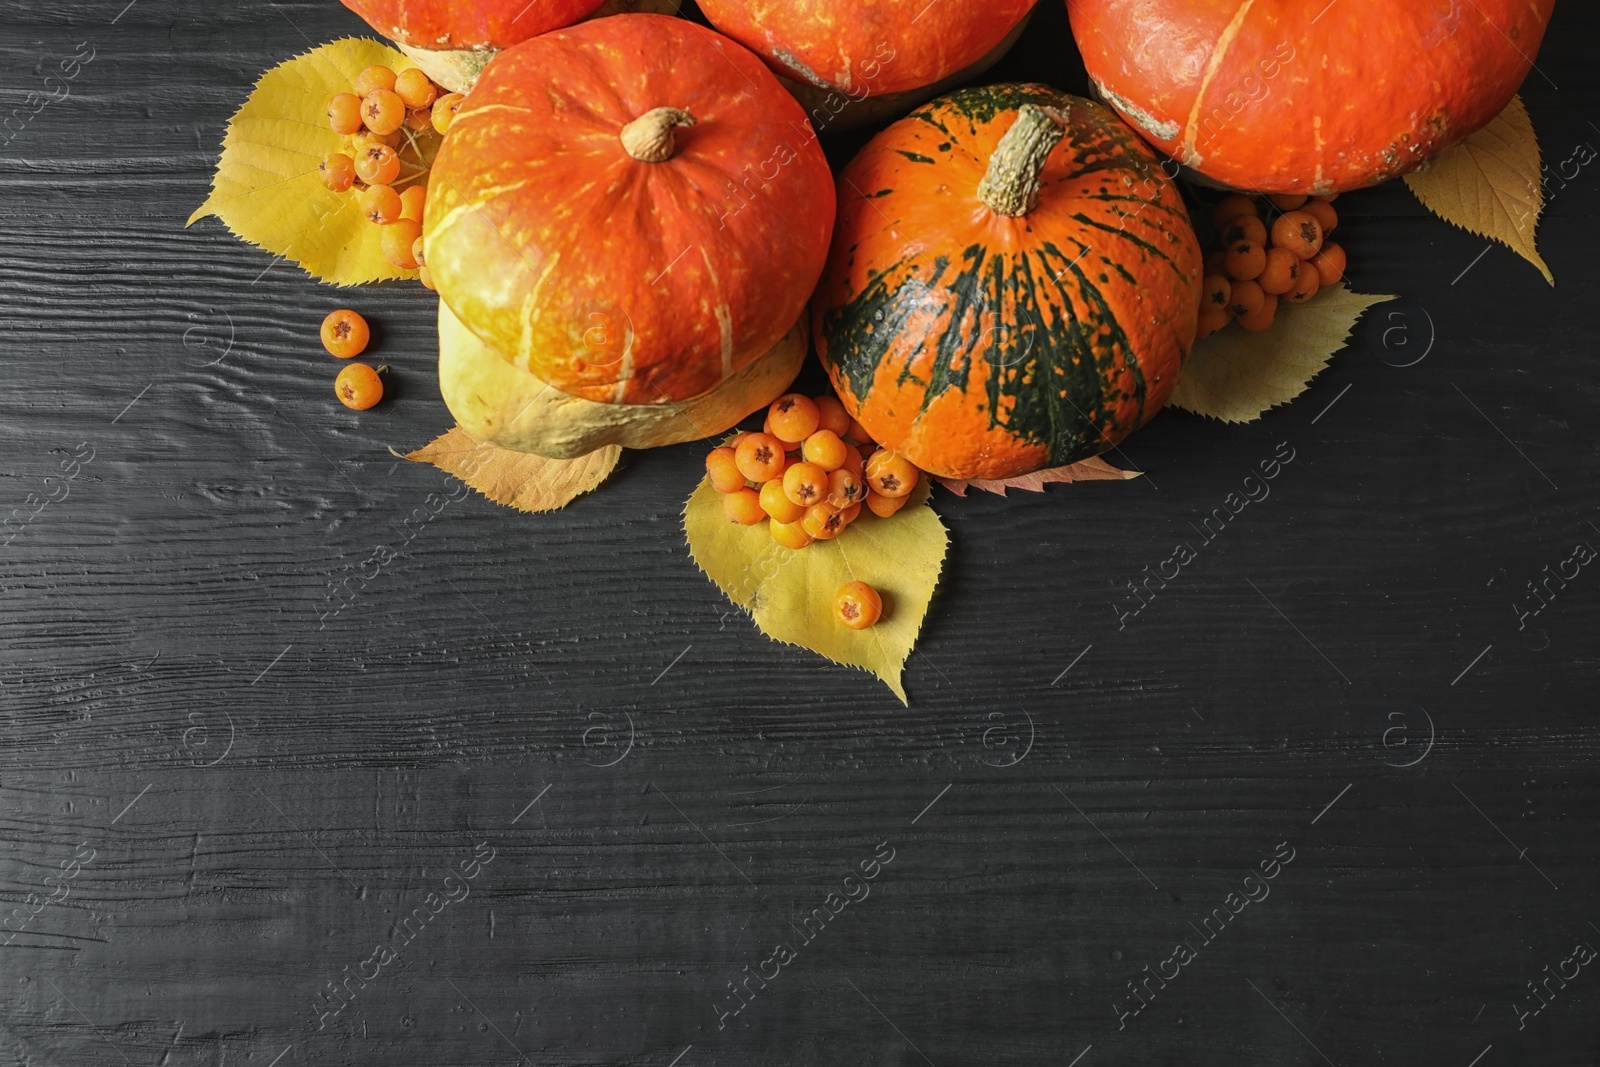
(1011, 184)
(649, 138)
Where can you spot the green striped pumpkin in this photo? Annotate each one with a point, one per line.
(1013, 284)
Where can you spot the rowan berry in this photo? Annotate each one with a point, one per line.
(778, 505)
(1246, 260)
(1248, 297)
(378, 165)
(374, 78)
(723, 470)
(794, 418)
(1305, 286)
(358, 386)
(413, 87)
(1244, 228)
(1330, 263)
(857, 605)
(412, 199)
(850, 514)
(337, 171)
(1216, 291)
(823, 522)
(344, 113)
(885, 506)
(760, 457)
(805, 483)
(890, 473)
(1299, 232)
(1261, 317)
(845, 487)
(382, 111)
(425, 276)
(831, 415)
(397, 239)
(1325, 215)
(345, 333)
(858, 433)
(789, 534)
(1288, 201)
(444, 111)
(826, 449)
(1281, 273)
(743, 506)
(380, 204)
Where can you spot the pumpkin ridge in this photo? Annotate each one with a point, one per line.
(965, 297)
(1121, 231)
(1093, 369)
(1118, 342)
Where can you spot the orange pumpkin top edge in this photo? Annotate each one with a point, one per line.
(631, 208)
(1282, 96)
(872, 48)
(988, 343)
(482, 24)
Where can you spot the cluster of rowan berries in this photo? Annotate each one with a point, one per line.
(1258, 265)
(384, 115)
(808, 473)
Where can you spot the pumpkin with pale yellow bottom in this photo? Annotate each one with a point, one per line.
(502, 405)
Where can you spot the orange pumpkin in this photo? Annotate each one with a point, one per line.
(631, 209)
(1014, 283)
(857, 61)
(1286, 96)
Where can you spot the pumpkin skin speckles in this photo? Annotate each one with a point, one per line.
(445, 24)
(642, 269)
(982, 345)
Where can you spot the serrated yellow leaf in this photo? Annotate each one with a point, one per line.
(266, 187)
(1490, 184)
(789, 594)
(1235, 375)
(517, 479)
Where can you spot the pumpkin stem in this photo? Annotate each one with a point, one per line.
(1011, 184)
(649, 138)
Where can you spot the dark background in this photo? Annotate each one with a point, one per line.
(261, 797)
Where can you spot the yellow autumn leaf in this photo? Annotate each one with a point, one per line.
(1235, 375)
(789, 594)
(266, 187)
(517, 479)
(1490, 184)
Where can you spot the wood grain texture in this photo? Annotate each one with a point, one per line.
(309, 748)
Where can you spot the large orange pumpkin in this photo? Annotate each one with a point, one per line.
(1014, 283)
(631, 209)
(1290, 96)
(857, 61)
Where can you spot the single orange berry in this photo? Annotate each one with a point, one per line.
(850, 514)
(378, 165)
(776, 503)
(1305, 286)
(789, 534)
(358, 386)
(345, 333)
(794, 417)
(1326, 198)
(1244, 228)
(412, 199)
(858, 433)
(854, 462)
(337, 171)
(1325, 215)
(413, 87)
(805, 484)
(723, 470)
(383, 111)
(743, 506)
(419, 120)
(1247, 299)
(444, 111)
(760, 457)
(397, 239)
(1299, 232)
(1245, 261)
(374, 78)
(845, 487)
(890, 473)
(885, 506)
(1211, 320)
(1262, 317)
(823, 522)
(416, 252)
(857, 605)
(344, 113)
(1288, 201)
(826, 449)
(425, 276)
(733, 442)
(1330, 263)
(1282, 271)
(1230, 208)
(380, 204)
(831, 415)
(1215, 291)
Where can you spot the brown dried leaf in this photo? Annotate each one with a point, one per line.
(1094, 469)
(517, 479)
(1490, 184)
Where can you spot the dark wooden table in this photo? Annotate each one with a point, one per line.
(535, 793)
